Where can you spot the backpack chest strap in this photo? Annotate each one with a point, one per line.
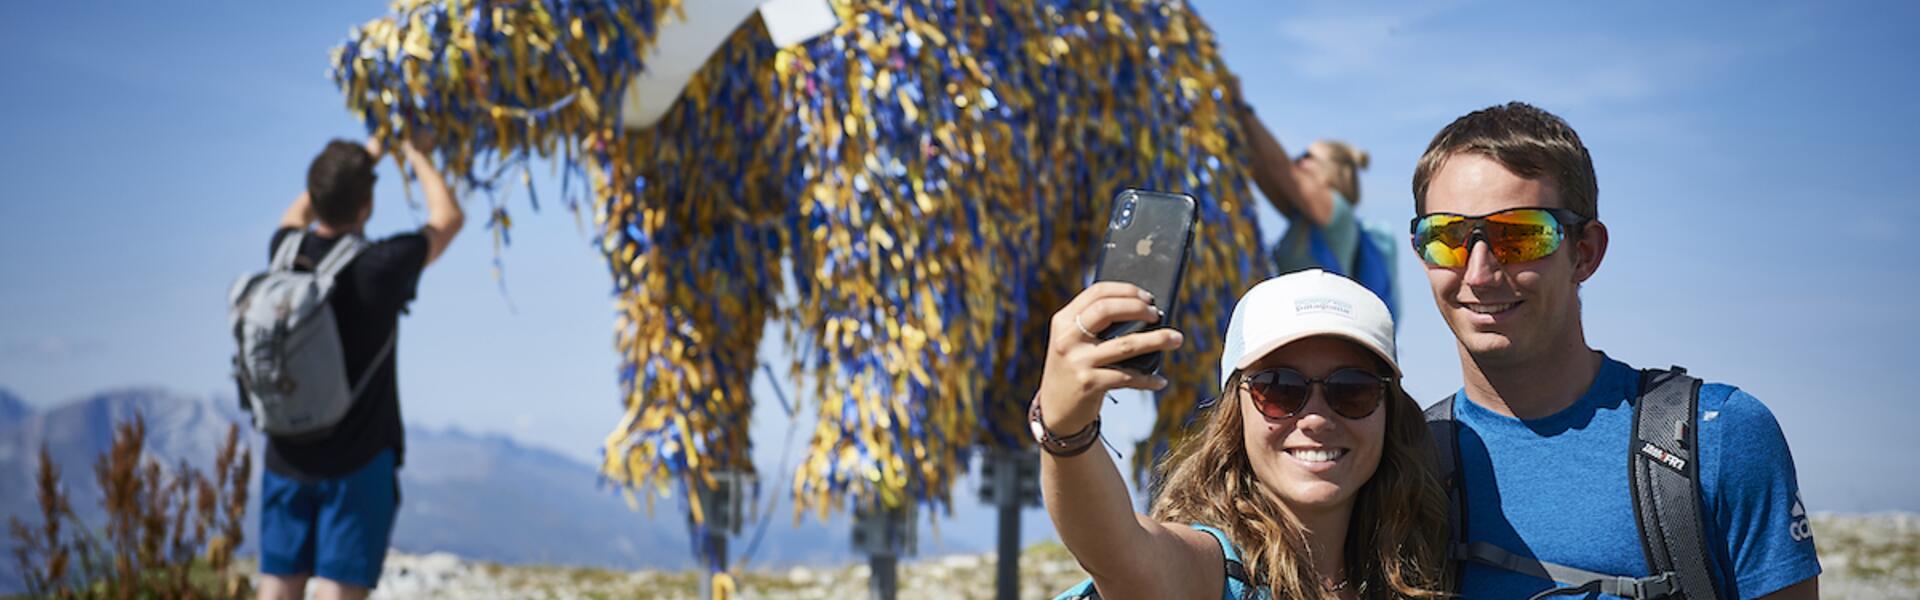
(1636, 588)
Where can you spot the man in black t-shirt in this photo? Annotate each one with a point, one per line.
(328, 504)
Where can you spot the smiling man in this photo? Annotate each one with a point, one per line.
(1569, 471)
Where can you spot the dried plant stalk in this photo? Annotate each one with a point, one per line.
(162, 529)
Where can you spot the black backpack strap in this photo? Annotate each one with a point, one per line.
(1249, 587)
(1664, 473)
(1446, 457)
(1446, 447)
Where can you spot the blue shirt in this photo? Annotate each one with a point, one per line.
(1555, 489)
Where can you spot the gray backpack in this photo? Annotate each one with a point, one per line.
(290, 367)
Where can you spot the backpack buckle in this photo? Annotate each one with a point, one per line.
(1658, 586)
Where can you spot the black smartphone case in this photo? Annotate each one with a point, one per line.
(1147, 243)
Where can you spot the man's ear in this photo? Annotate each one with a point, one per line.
(1589, 250)
(366, 212)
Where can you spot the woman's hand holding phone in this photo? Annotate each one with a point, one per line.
(1074, 380)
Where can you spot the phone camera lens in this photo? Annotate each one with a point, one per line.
(1123, 213)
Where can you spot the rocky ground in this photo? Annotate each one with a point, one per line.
(1871, 556)
(1865, 556)
(1045, 568)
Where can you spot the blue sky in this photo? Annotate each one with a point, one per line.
(1754, 161)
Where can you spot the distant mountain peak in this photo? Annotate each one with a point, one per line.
(12, 408)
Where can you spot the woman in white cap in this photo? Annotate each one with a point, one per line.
(1309, 476)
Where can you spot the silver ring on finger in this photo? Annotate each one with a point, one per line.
(1083, 329)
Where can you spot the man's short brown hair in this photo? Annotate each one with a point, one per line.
(1532, 143)
(340, 182)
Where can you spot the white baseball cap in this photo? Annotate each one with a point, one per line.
(1298, 305)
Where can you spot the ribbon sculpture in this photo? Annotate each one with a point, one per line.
(930, 177)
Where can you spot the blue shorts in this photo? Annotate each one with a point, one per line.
(337, 529)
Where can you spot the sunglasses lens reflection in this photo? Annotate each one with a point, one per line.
(1283, 393)
(1514, 235)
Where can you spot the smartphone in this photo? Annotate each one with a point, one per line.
(1148, 238)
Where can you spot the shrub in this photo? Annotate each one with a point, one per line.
(168, 534)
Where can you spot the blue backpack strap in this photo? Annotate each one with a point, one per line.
(1240, 584)
(1083, 591)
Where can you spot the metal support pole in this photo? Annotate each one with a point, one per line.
(724, 506)
(885, 582)
(716, 545)
(1010, 481)
(1006, 476)
(884, 535)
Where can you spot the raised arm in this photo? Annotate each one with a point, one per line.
(444, 218)
(1292, 192)
(1129, 555)
(299, 214)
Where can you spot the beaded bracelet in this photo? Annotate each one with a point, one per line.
(1071, 445)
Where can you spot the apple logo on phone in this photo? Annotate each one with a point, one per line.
(1145, 246)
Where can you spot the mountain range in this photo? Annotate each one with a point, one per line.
(480, 496)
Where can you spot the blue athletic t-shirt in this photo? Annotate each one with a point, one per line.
(1555, 489)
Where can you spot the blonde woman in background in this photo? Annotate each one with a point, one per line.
(1317, 192)
(1308, 477)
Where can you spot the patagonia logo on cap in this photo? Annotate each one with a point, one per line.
(1306, 306)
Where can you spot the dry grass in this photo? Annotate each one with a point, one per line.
(167, 535)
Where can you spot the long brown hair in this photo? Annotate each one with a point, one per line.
(1396, 540)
